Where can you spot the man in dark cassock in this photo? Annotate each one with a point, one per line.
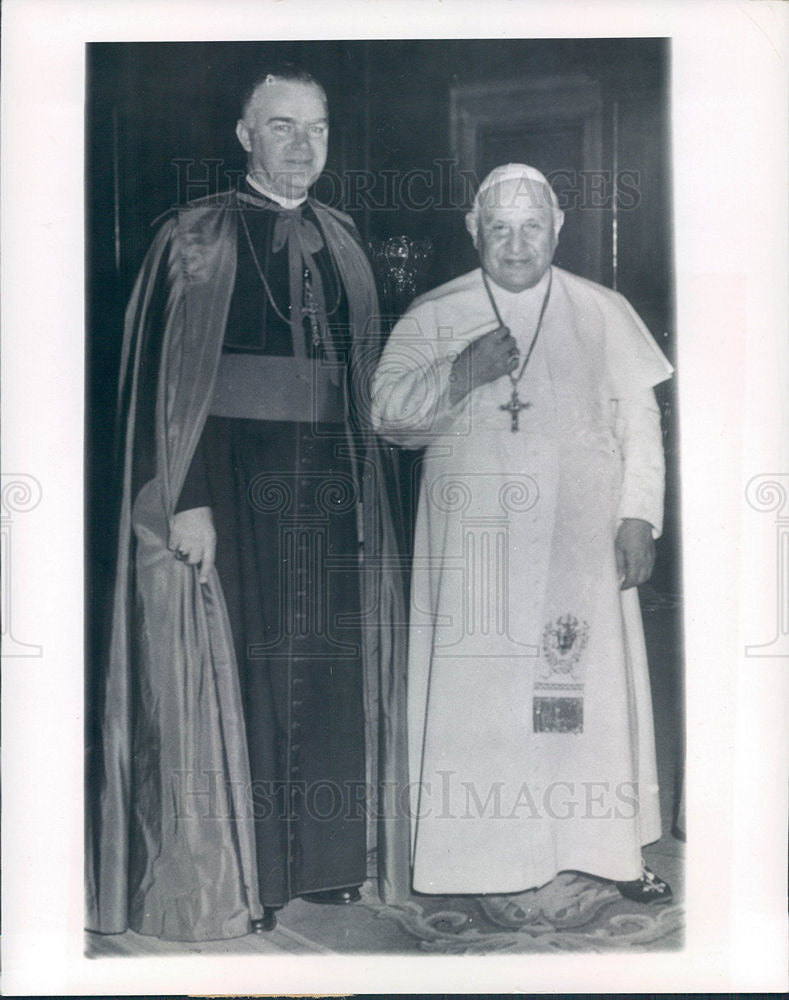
(254, 696)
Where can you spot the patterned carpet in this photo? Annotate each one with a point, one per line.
(574, 913)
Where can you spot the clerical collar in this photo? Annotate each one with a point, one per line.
(278, 198)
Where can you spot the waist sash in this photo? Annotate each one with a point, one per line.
(274, 387)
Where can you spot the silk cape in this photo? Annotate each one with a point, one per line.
(170, 848)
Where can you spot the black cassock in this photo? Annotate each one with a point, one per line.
(283, 499)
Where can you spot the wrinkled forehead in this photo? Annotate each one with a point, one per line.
(517, 194)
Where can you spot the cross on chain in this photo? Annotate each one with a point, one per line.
(311, 309)
(514, 407)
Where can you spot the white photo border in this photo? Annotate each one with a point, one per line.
(730, 211)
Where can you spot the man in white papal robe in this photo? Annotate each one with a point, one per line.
(531, 742)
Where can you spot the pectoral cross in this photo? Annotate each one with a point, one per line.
(311, 309)
(514, 407)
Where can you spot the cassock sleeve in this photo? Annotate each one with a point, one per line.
(196, 491)
(637, 428)
(410, 391)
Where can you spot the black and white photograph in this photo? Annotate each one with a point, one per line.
(394, 474)
(381, 571)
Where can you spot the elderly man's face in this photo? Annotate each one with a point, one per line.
(285, 132)
(514, 237)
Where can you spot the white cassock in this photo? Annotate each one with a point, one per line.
(531, 742)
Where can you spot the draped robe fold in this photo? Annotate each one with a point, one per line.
(170, 838)
(531, 738)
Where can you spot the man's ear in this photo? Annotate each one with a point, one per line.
(471, 225)
(558, 222)
(242, 133)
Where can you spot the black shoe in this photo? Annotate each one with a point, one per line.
(335, 897)
(647, 889)
(267, 922)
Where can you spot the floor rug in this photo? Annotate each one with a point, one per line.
(572, 913)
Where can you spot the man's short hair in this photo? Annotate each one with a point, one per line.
(289, 72)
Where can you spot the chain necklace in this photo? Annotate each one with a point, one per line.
(259, 269)
(269, 293)
(514, 406)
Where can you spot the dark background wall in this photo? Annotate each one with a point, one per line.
(412, 124)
